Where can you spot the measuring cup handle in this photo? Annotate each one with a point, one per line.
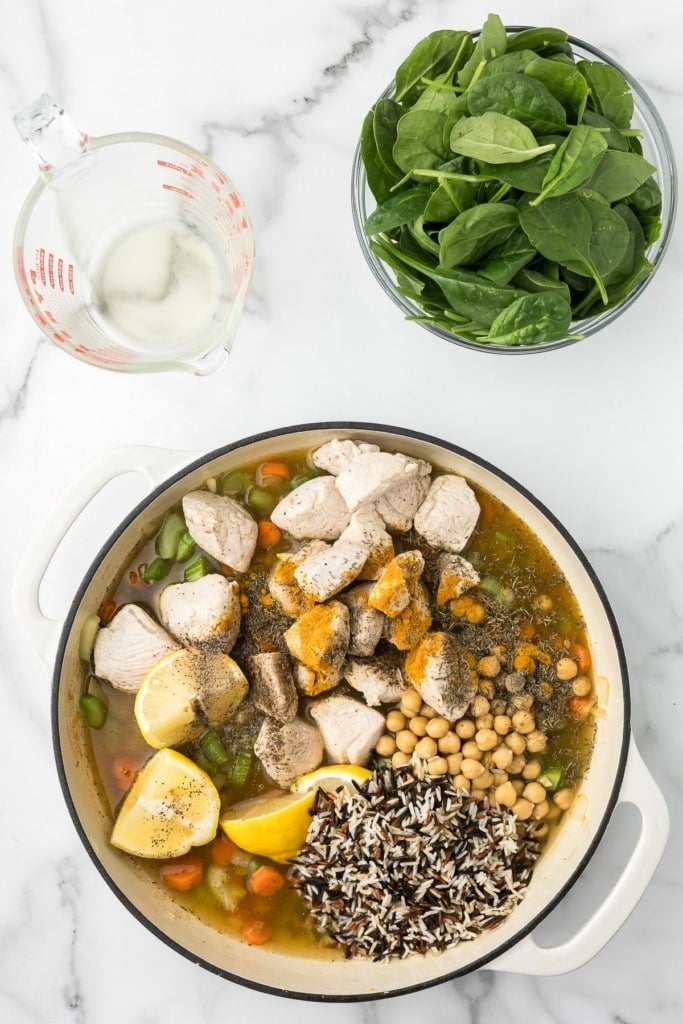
(155, 464)
(50, 134)
(640, 789)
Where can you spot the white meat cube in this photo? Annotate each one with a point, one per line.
(335, 455)
(222, 527)
(349, 729)
(444, 674)
(447, 517)
(325, 573)
(372, 474)
(380, 679)
(366, 624)
(288, 749)
(398, 505)
(316, 509)
(203, 613)
(126, 649)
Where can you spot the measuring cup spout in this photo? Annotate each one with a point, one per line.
(50, 134)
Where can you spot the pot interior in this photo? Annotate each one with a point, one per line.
(556, 870)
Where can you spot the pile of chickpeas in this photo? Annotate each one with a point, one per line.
(491, 751)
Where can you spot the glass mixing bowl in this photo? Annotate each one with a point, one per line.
(657, 149)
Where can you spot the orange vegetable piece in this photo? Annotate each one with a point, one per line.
(182, 873)
(223, 850)
(124, 771)
(268, 533)
(265, 881)
(581, 655)
(107, 611)
(256, 932)
(580, 707)
(527, 631)
(272, 472)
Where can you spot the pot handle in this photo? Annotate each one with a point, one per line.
(155, 464)
(638, 788)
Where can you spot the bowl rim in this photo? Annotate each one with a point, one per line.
(589, 326)
(360, 427)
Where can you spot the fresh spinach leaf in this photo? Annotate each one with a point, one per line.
(491, 42)
(473, 233)
(384, 125)
(448, 200)
(396, 211)
(532, 319)
(506, 260)
(516, 95)
(618, 175)
(536, 38)
(507, 62)
(472, 295)
(495, 138)
(610, 94)
(573, 162)
(613, 137)
(563, 81)
(432, 55)
(419, 140)
(537, 281)
(380, 181)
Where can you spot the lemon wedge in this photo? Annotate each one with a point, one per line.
(185, 692)
(171, 806)
(270, 826)
(331, 777)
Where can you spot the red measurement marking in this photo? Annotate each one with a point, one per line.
(59, 336)
(60, 273)
(175, 167)
(41, 319)
(34, 277)
(216, 188)
(197, 170)
(41, 265)
(235, 200)
(71, 278)
(182, 191)
(51, 269)
(51, 317)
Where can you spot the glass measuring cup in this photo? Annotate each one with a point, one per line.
(132, 252)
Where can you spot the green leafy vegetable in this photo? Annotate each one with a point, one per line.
(513, 198)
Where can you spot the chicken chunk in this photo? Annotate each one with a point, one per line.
(380, 679)
(336, 455)
(444, 674)
(282, 584)
(371, 474)
(448, 515)
(126, 649)
(349, 729)
(288, 749)
(325, 573)
(316, 509)
(365, 623)
(272, 685)
(204, 613)
(312, 683)
(400, 503)
(319, 639)
(394, 588)
(456, 575)
(222, 527)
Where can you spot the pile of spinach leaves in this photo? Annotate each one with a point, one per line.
(513, 199)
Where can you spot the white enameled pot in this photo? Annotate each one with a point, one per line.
(616, 774)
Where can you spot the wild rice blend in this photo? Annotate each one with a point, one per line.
(410, 865)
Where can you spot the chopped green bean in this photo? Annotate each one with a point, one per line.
(213, 749)
(89, 631)
(93, 710)
(240, 769)
(197, 568)
(168, 538)
(234, 483)
(185, 547)
(156, 570)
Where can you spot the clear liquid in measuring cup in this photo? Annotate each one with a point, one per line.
(159, 284)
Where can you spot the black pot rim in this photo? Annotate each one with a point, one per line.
(619, 770)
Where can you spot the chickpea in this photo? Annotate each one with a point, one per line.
(461, 782)
(485, 780)
(478, 794)
(437, 727)
(427, 711)
(535, 792)
(406, 741)
(476, 614)
(454, 763)
(499, 777)
(581, 686)
(523, 701)
(470, 749)
(524, 663)
(531, 770)
(564, 798)
(566, 669)
(518, 786)
(418, 725)
(500, 652)
(487, 759)
(411, 701)
(449, 743)
(515, 682)
(437, 766)
(540, 831)
(479, 706)
(515, 742)
(545, 690)
(517, 764)
(396, 721)
(386, 745)
(543, 603)
(488, 666)
(465, 729)
(486, 739)
(484, 722)
(460, 605)
(554, 813)
(498, 707)
(471, 769)
(400, 759)
(541, 810)
(502, 757)
(502, 724)
(506, 794)
(487, 688)
(523, 722)
(426, 748)
(523, 809)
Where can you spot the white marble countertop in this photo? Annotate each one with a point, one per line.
(276, 92)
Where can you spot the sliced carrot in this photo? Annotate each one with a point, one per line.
(182, 873)
(265, 881)
(527, 631)
(124, 771)
(223, 850)
(107, 611)
(133, 578)
(268, 533)
(581, 655)
(256, 932)
(580, 707)
(272, 471)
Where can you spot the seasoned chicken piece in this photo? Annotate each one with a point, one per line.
(315, 509)
(380, 679)
(456, 575)
(336, 455)
(282, 585)
(126, 649)
(372, 474)
(366, 624)
(311, 683)
(324, 573)
(407, 628)
(319, 639)
(349, 729)
(394, 588)
(381, 550)
(288, 749)
(449, 513)
(272, 686)
(444, 674)
(204, 613)
(222, 527)
(398, 505)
